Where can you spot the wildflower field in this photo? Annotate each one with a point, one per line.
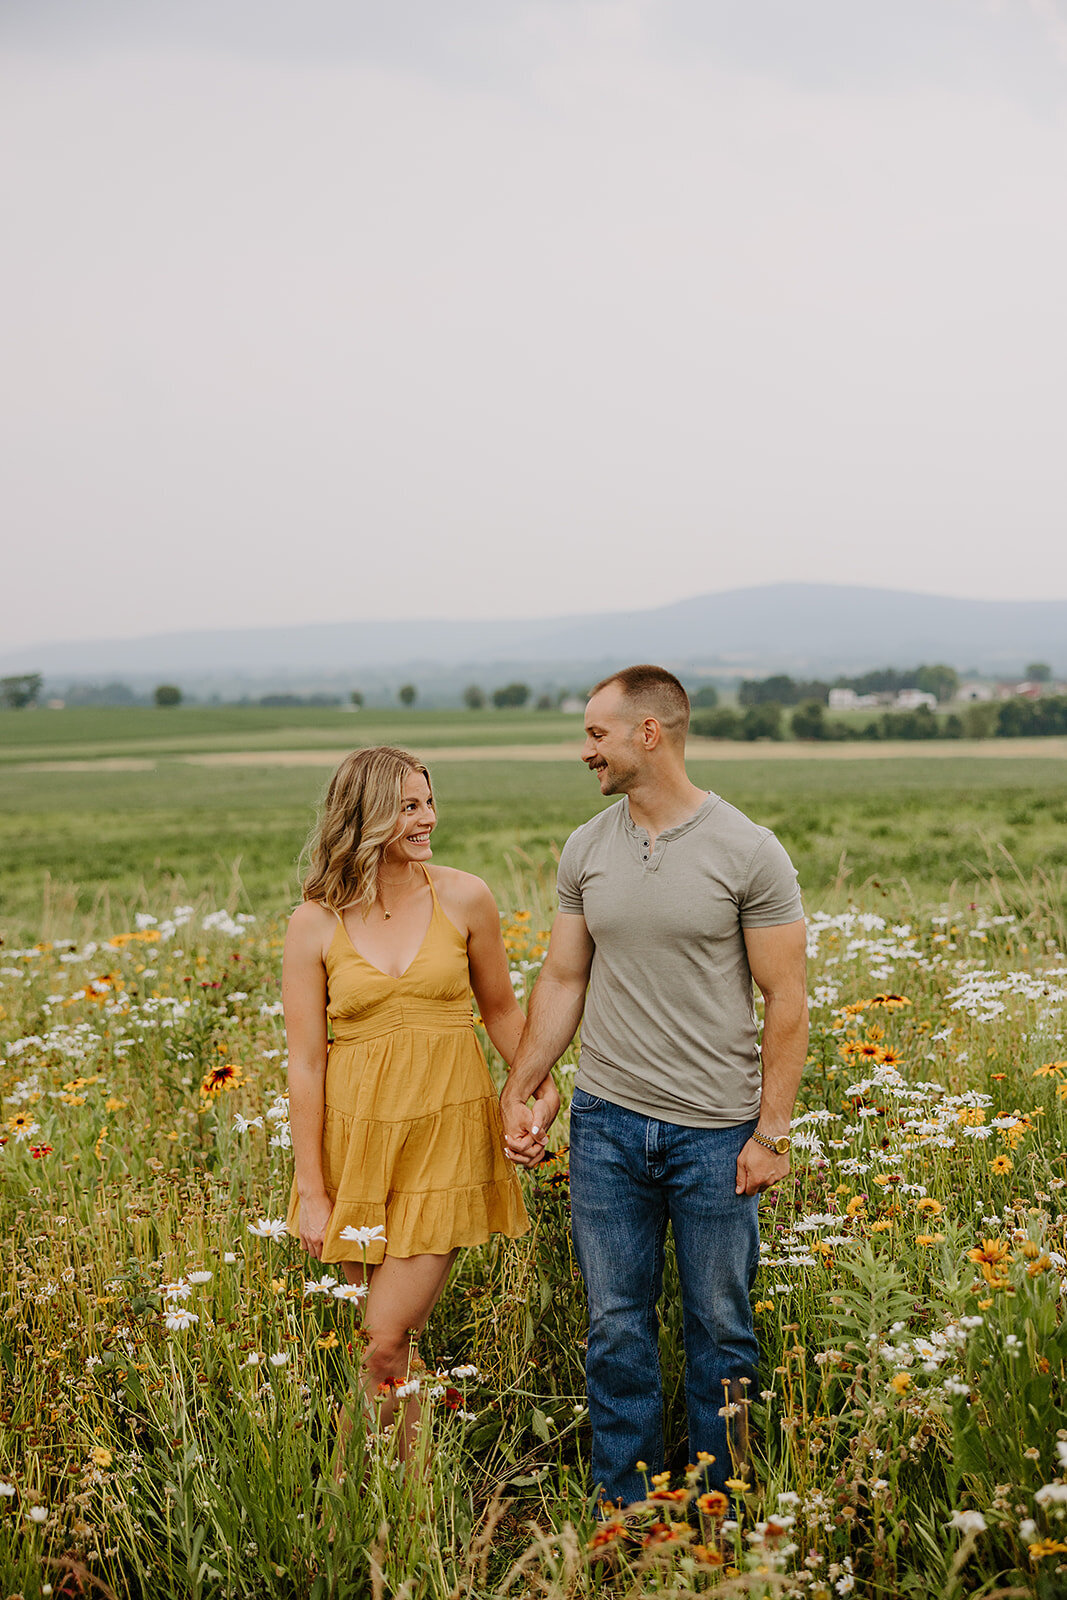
(172, 1366)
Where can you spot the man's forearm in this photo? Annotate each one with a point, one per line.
(784, 1050)
(554, 1014)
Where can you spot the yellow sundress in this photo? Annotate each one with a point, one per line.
(412, 1140)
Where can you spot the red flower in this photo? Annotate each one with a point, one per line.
(39, 1150)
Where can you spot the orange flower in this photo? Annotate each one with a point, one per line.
(663, 1533)
(713, 1504)
(606, 1534)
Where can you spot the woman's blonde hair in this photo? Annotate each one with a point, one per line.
(357, 819)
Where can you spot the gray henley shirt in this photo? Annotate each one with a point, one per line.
(670, 1025)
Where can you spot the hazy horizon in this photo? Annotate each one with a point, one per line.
(347, 312)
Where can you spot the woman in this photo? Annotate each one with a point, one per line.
(397, 1137)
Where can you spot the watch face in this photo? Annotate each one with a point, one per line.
(782, 1145)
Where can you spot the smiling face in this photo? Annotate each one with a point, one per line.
(417, 820)
(613, 747)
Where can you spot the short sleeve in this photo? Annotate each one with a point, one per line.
(568, 880)
(771, 895)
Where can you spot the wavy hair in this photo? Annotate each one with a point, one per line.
(357, 819)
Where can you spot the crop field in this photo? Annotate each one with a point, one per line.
(172, 1369)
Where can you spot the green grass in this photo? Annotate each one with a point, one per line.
(909, 1305)
(72, 839)
(239, 830)
(98, 731)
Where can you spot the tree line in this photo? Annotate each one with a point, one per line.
(1007, 719)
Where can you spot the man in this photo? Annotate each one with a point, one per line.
(671, 903)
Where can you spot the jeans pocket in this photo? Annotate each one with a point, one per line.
(584, 1102)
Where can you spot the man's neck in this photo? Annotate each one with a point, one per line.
(665, 803)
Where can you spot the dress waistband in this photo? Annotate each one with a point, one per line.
(400, 1014)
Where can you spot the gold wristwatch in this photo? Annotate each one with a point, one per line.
(781, 1146)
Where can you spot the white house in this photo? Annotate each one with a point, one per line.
(849, 700)
(912, 699)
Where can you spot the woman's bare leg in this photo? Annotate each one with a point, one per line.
(402, 1291)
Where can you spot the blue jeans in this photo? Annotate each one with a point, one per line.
(630, 1175)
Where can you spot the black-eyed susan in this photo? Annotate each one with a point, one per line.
(1001, 1165)
(226, 1075)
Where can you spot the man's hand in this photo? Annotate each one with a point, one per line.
(759, 1168)
(526, 1127)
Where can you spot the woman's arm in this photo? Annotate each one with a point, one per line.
(304, 999)
(497, 1005)
(490, 978)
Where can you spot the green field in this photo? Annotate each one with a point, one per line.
(909, 1302)
(98, 731)
(121, 840)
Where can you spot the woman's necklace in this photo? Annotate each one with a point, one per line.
(385, 914)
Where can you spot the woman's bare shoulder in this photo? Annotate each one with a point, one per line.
(463, 891)
(311, 921)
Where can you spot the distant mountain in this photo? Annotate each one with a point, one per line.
(804, 629)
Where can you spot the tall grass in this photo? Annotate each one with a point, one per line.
(911, 1423)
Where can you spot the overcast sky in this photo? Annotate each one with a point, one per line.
(329, 309)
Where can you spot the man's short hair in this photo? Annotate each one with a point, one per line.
(654, 692)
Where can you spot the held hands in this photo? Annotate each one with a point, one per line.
(759, 1168)
(314, 1217)
(526, 1127)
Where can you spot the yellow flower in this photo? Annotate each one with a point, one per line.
(738, 1485)
(100, 1456)
(932, 1208)
(1046, 1547)
(927, 1239)
(900, 1382)
(115, 1105)
(992, 1253)
(881, 1227)
(857, 1204)
(330, 1341)
(1001, 1165)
